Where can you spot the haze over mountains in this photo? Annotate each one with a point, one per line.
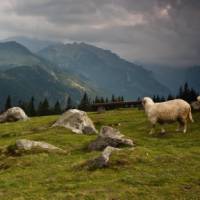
(30, 67)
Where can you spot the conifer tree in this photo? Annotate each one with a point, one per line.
(43, 108)
(113, 98)
(57, 108)
(8, 103)
(69, 103)
(84, 103)
(31, 107)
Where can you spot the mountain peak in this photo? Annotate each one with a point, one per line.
(13, 46)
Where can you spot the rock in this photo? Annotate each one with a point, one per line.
(27, 146)
(103, 159)
(77, 121)
(109, 137)
(195, 105)
(12, 115)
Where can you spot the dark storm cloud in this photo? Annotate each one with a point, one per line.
(151, 31)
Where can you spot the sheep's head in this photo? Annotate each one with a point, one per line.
(198, 98)
(147, 101)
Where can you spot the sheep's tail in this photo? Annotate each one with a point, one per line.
(190, 116)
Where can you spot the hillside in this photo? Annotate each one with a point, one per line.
(160, 167)
(24, 74)
(104, 69)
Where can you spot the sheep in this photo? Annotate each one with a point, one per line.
(167, 112)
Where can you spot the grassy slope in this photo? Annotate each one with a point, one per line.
(160, 167)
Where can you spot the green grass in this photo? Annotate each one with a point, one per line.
(160, 167)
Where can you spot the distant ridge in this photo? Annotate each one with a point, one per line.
(24, 74)
(104, 69)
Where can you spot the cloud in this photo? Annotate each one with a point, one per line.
(154, 31)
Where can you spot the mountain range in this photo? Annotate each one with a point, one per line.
(24, 74)
(31, 67)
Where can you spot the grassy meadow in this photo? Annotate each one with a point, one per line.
(159, 167)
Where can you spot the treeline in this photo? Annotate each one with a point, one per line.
(41, 109)
(86, 103)
(185, 92)
(44, 108)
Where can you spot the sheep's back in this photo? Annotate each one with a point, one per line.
(170, 111)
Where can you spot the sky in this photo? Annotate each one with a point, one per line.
(162, 32)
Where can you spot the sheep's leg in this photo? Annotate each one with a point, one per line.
(162, 130)
(152, 129)
(183, 125)
(179, 127)
(185, 128)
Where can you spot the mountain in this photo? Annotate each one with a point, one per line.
(33, 44)
(24, 74)
(104, 70)
(174, 77)
(193, 77)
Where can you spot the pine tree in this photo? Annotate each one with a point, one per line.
(113, 98)
(84, 103)
(170, 97)
(40, 109)
(31, 107)
(162, 99)
(43, 108)
(8, 103)
(102, 100)
(69, 103)
(57, 108)
(46, 110)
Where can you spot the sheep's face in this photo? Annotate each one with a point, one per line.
(147, 100)
(198, 98)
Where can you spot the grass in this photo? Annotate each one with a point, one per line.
(160, 167)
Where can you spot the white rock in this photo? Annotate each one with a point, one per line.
(77, 121)
(24, 145)
(13, 114)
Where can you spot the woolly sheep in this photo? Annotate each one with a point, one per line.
(167, 112)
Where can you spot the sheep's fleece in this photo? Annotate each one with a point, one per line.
(167, 112)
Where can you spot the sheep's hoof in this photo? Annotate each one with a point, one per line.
(151, 133)
(163, 131)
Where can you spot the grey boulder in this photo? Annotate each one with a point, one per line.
(103, 159)
(77, 121)
(30, 146)
(109, 137)
(195, 105)
(13, 114)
